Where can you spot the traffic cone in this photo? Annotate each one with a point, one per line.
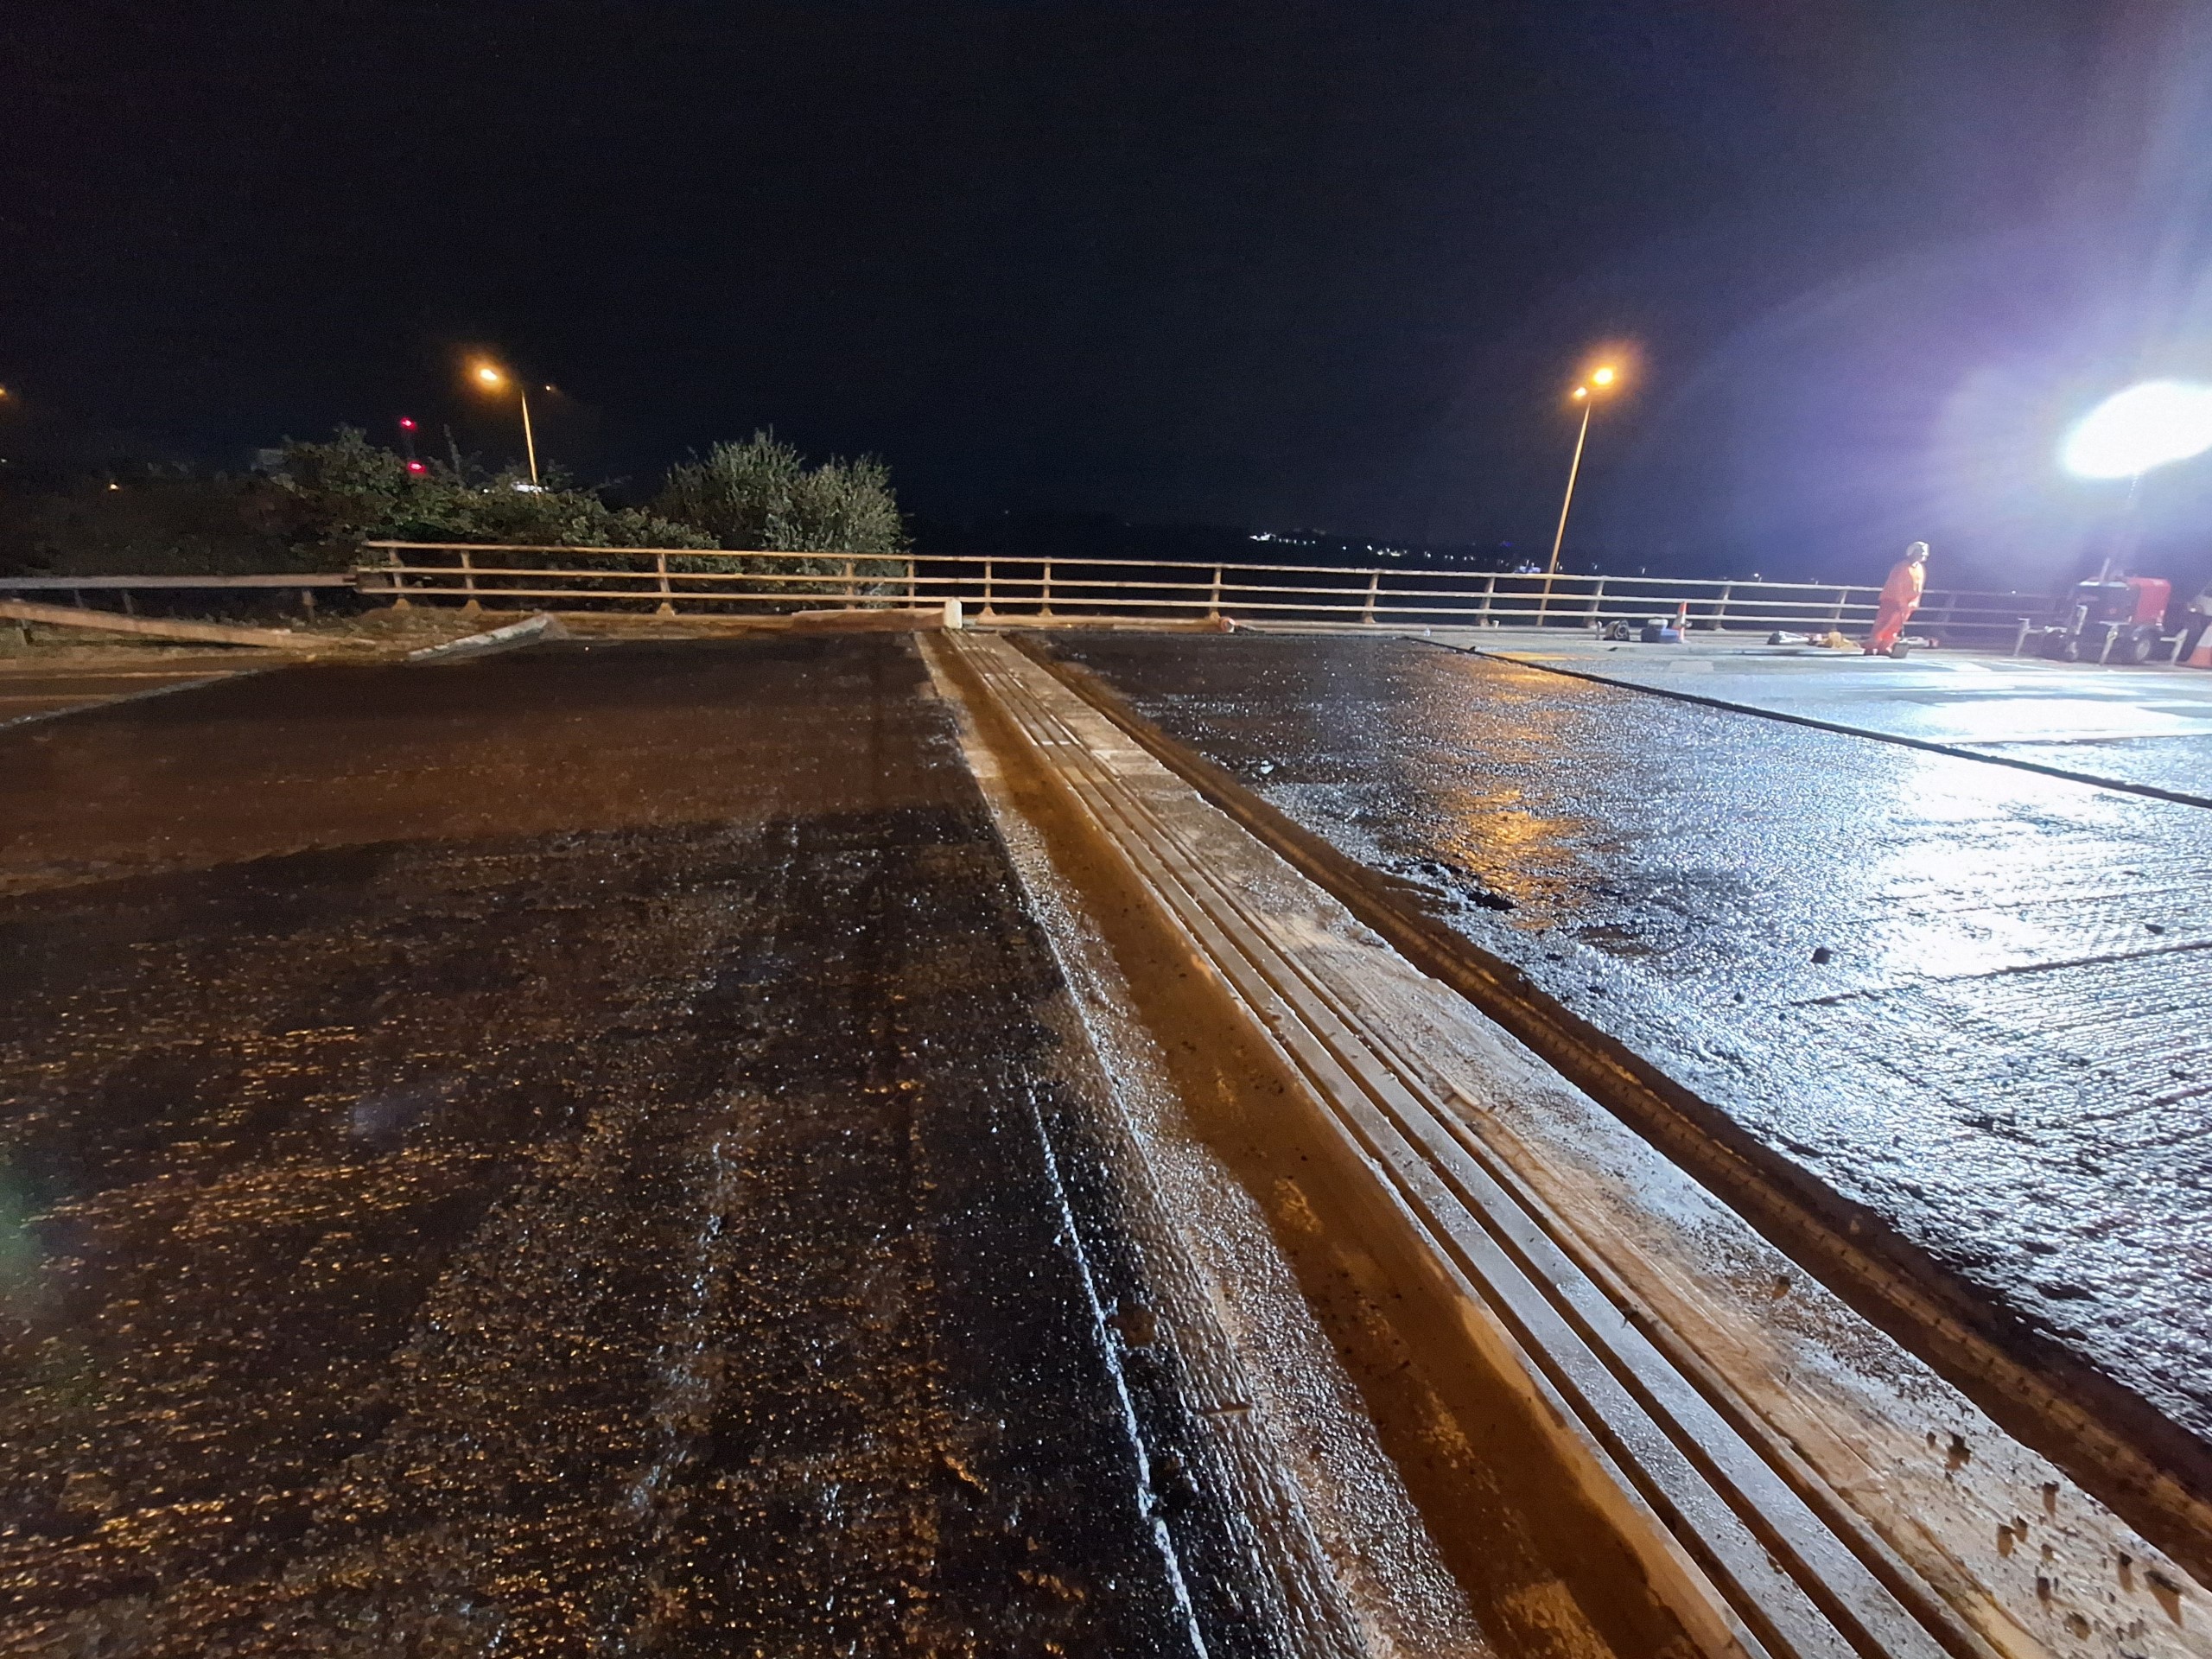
(2201, 657)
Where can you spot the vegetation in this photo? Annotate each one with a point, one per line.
(761, 494)
(314, 511)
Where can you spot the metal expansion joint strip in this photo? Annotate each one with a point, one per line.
(1769, 1559)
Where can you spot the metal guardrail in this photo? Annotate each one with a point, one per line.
(994, 587)
(305, 584)
(95, 584)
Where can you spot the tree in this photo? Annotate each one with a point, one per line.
(761, 494)
(340, 494)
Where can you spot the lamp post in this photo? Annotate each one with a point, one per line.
(491, 377)
(2151, 424)
(1599, 379)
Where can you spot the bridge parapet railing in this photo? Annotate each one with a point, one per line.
(1044, 589)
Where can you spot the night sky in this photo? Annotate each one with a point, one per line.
(1272, 265)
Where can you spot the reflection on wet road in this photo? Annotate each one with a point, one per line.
(1971, 997)
(502, 1159)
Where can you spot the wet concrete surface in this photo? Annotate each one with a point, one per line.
(1967, 996)
(2145, 726)
(566, 1154)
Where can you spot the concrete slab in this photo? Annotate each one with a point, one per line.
(1824, 1386)
(2131, 725)
(1962, 996)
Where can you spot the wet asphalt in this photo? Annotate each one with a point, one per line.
(1970, 997)
(566, 1154)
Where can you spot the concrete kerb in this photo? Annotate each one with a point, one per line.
(534, 630)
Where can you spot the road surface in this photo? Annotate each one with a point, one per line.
(2147, 727)
(549, 1157)
(1968, 997)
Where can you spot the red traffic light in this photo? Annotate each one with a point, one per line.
(417, 468)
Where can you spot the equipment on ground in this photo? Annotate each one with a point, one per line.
(2112, 620)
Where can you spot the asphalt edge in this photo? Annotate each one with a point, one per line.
(2150, 1470)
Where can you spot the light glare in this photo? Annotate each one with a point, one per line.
(2146, 426)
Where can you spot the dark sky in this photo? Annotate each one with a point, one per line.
(1270, 265)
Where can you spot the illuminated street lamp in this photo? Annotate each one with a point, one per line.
(2151, 424)
(1600, 379)
(2148, 425)
(490, 377)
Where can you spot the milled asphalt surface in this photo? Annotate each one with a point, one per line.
(1971, 997)
(551, 1156)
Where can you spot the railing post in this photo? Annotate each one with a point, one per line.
(1367, 616)
(988, 615)
(1045, 591)
(1598, 605)
(468, 582)
(667, 605)
(849, 594)
(399, 600)
(1213, 599)
(1720, 609)
(910, 581)
(1490, 592)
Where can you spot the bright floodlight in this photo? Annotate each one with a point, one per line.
(2144, 427)
(488, 375)
(1603, 378)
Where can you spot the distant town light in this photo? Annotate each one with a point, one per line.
(2145, 426)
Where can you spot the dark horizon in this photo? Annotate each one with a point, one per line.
(1260, 266)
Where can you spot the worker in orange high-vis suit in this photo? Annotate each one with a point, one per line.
(1900, 599)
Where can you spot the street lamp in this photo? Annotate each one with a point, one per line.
(1600, 378)
(490, 377)
(2146, 426)
(2150, 424)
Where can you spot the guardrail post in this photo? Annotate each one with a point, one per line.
(1598, 605)
(667, 605)
(399, 600)
(1720, 608)
(1045, 591)
(1367, 616)
(1490, 592)
(849, 594)
(468, 582)
(988, 615)
(1841, 594)
(909, 583)
(1213, 599)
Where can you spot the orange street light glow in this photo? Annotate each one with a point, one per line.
(1603, 377)
(488, 375)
